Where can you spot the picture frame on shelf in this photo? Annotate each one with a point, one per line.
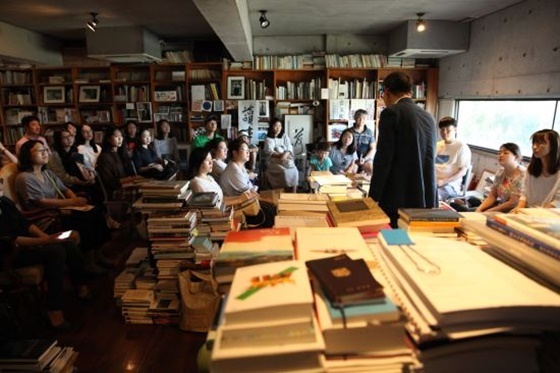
(165, 96)
(144, 110)
(263, 108)
(236, 87)
(54, 95)
(335, 130)
(89, 93)
(218, 105)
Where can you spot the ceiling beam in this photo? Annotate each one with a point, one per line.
(20, 44)
(230, 21)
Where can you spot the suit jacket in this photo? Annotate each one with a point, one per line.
(404, 173)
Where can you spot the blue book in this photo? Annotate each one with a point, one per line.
(383, 310)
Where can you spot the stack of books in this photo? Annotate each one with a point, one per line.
(36, 355)
(363, 213)
(250, 247)
(135, 305)
(268, 323)
(162, 195)
(135, 265)
(333, 185)
(455, 293)
(165, 311)
(436, 220)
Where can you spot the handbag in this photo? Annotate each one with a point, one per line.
(250, 207)
(199, 300)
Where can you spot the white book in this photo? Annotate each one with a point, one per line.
(463, 287)
(316, 243)
(269, 291)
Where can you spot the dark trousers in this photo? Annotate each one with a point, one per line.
(55, 258)
(91, 225)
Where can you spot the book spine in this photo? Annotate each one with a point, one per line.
(410, 219)
(524, 238)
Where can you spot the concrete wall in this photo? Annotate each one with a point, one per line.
(21, 44)
(341, 44)
(514, 53)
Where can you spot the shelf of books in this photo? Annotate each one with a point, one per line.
(131, 93)
(204, 84)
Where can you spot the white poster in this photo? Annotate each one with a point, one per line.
(300, 131)
(249, 119)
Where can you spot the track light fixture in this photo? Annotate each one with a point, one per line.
(92, 24)
(263, 20)
(420, 23)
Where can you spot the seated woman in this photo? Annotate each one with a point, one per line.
(67, 165)
(281, 171)
(114, 167)
(88, 148)
(165, 143)
(235, 182)
(542, 179)
(219, 151)
(131, 140)
(211, 126)
(343, 154)
(38, 187)
(146, 161)
(55, 254)
(508, 183)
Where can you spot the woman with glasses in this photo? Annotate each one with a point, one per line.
(542, 180)
(39, 188)
(219, 150)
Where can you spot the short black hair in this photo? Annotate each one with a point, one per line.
(28, 119)
(359, 112)
(210, 118)
(398, 82)
(323, 146)
(446, 122)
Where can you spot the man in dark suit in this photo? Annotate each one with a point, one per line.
(404, 164)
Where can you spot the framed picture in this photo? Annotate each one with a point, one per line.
(236, 87)
(53, 95)
(218, 105)
(144, 110)
(263, 108)
(89, 93)
(484, 185)
(165, 96)
(335, 131)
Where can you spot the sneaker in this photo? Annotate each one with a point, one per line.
(112, 223)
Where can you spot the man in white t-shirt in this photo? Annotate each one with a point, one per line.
(453, 158)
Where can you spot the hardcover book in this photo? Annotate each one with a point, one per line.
(436, 214)
(346, 281)
(357, 212)
(203, 199)
(317, 243)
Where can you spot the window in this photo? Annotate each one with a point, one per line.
(488, 124)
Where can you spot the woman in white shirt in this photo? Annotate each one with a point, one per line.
(200, 167)
(89, 148)
(542, 181)
(165, 143)
(219, 151)
(281, 171)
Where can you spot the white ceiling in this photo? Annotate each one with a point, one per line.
(180, 20)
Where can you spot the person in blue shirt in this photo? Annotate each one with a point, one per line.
(320, 161)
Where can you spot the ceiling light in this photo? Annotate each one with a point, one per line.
(420, 23)
(92, 24)
(263, 20)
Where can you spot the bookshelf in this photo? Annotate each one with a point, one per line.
(169, 98)
(205, 94)
(185, 93)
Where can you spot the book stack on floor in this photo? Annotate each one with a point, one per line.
(135, 306)
(249, 247)
(363, 213)
(333, 185)
(529, 242)
(302, 210)
(36, 355)
(268, 323)
(436, 220)
(214, 218)
(162, 195)
(136, 264)
(466, 310)
(164, 311)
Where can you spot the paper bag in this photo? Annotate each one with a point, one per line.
(199, 300)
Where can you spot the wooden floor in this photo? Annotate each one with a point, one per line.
(105, 343)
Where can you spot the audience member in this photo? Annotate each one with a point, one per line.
(253, 150)
(404, 165)
(508, 183)
(146, 161)
(211, 126)
(165, 143)
(88, 148)
(365, 142)
(281, 171)
(219, 152)
(453, 158)
(38, 188)
(67, 163)
(55, 254)
(542, 179)
(130, 139)
(320, 160)
(343, 154)
(32, 126)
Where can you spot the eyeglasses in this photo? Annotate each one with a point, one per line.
(42, 151)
